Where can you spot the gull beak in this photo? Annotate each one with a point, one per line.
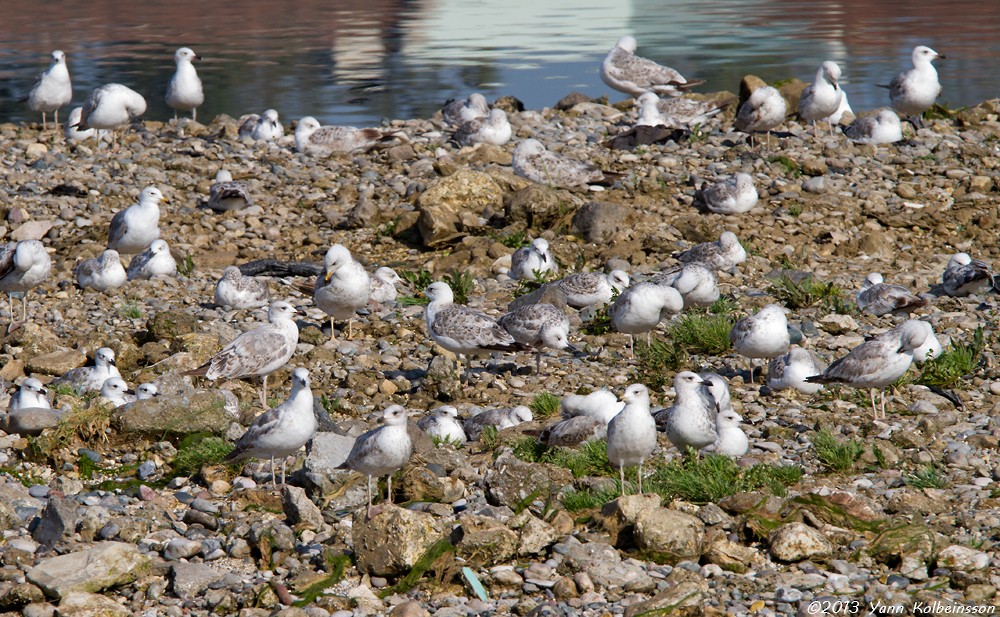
(328, 276)
(129, 391)
(940, 56)
(197, 57)
(573, 349)
(44, 391)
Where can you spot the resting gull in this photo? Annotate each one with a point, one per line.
(538, 326)
(383, 285)
(733, 195)
(497, 418)
(457, 111)
(677, 113)
(265, 127)
(592, 288)
(762, 335)
(879, 298)
(697, 284)
(914, 91)
(533, 161)
(791, 369)
(641, 307)
(731, 441)
(240, 292)
(154, 261)
(532, 261)
(764, 110)
(965, 276)
(31, 394)
(315, 140)
(228, 194)
(443, 424)
(134, 228)
(110, 106)
(725, 254)
(494, 129)
(104, 273)
(91, 378)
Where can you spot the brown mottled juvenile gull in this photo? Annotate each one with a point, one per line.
(725, 254)
(134, 228)
(626, 72)
(538, 326)
(458, 111)
(91, 378)
(592, 288)
(965, 276)
(102, 273)
(240, 292)
(531, 259)
(733, 195)
(228, 194)
(677, 113)
(533, 161)
(497, 418)
(315, 140)
(882, 127)
(632, 433)
(697, 284)
(52, 89)
(24, 265)
(258, 352)
(791, 369)
(764, 110)
(263, 127)
(493, 129)
(154, 261)
(342, 288)
(879, 298)
(283, 430)
(184, 92)
(382, 450)
(443, 423)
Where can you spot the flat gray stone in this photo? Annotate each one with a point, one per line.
(329, 451)
(104, 565)
(29, 420)
(190, 579)
(199, 411)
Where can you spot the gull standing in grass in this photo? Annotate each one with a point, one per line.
(632, 433)
(111, 106)
(383, 450)
(24, 265)
(733, 195)
(154, 261)
(697, 284)
(965, 276)
(690, 421)
(134, 228)
(626, 72)
(878, 362)
(914, 91)
(458, 111)
(184, 92)
(258, 352)
(585, 418)
(882, 127)
(91, 378)
(115, 391)
(443, 423)
(31, 394)
(383, 285)
(462, 330)
(227, 194)
(498, 419)
(532, 261)
(821, 99)
(538, 326)
(493, 129)
(315, 140)
(104, 273)
(764, 110)
(762, 335)
(725, 254)
(534, 161)
(676, 113)
(52, 89)
(265, 127)
(879, 298)
(585, 289)
(641, 307)
(791, 370)
(240, 292)
(283, 430)
(342, 288)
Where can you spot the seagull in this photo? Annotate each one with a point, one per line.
(585, 418)
(91, 378)
(134, 228)
(52, 89)
(265, 127)
(931, 348)
(443, 423)
(493, 129)
(228, 194)
(791, 370)
(258, 352)
(457, 112)
(697, 284)
(717, 387)
(104, 273)
(878, 298)
(632, 433)
(532, 261)
(32, 394)
(154, 261)
(914, 91)
(382, 450)
(602, 404)
(383, 285)
(533, 161)
(821, 99)
(240, 292)
(115, 391)
(585, 289)
(725, 254)
(315, 140)
(764, 110)
(622, 70)
(690, 421)
(878, 362)
(497, 418)
(965, 275)
(184, 92)
(110, 106)
(733, 195)
(24, 265)
(882, 127)
(843, 110)
(677, 113)
(762, 335)
(146, 391)
(342, 288)
(72, 132)
(731, 440)
(283, 430)
(641, 307)
(538, 326)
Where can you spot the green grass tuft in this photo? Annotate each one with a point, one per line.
(928, 477)
(589, 459)
(837, 455)
(490, 438)
(792, 169)
(712, 477)
(954, 364)
(336, 566)
(513, 239)
(708, 334)
(130, 309)
(811, 293)
(420, 281)
(575, 501)
(656, 361)
(544, 405)
(462, 283)
(437, 552)
(186, 266)
(198, 450)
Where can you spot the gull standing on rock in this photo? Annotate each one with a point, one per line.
(733, 195)
(31, 394)
(154, 261)
(134, 228)
(965, 276)
(115, 391)
(880, 128)
(383, 286)
(283, 430)
(725, 254)
(641, 307)
(821, 99)
(111, 106)
(914, 91)
(676, 113)
(258, 352)
(632, 433)
(459, 111)
(585, 289)
(102, 273)
(240, 292)
(764, 110)
(530, 262)
(443, 423)
(52, 89)
(690, 421)
(878, 362)
(462, 330)
(91, 378)
(538, 326)
(24, 265)
(791, 370)
(498, 419)
(315, 140)
(342, 288)
(228, 194)
(184, 93)
(493, 129)
(878, 298)
(762, 335)
(697, 284)
(533, 161)
(265, 127)
(626, 72)
(383, 450)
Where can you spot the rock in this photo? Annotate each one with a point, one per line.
(422, 484)
(104, 565)
(511, 480)
(798, 541)
(669, 536)
(56, 362)
(299, 509)
(484, 540)
(33, 339)
(181, 548)
(453, 203)
(411, 608)
(600, 222)
(732, 556)
(31, 230)
(835, 323)
(533, 534)
(82, 604)
(29, 420)
(199, 411)
(329, 451)
(58, 519)
(618, 516)
(571, 99)
(16, 595)
(546, 294)
(539, 207)
(172, 324)
(962, 558)
(391, 541)
(603, 564)
(190, 579)
(687, 594)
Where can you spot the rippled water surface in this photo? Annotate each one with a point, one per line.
(354, 62)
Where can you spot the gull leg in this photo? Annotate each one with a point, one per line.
(621, 478)
(274, 482)
(538, 362)
(388, 490)
(56, 114)
(350, 328)
(263, 394)
(883, 403)
(284, 464)
(194, 114)
(45, 125)
(333, 333)
(874, 409)
(640, 477)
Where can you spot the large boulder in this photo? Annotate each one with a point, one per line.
(669, 535)
(798, 541)
(455, 203)
(199, 411)
(390, 542)
(104, 565)
(510, 481)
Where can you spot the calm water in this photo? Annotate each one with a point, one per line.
(356, 62)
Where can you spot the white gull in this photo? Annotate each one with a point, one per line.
(52, 89)
(882, 127)
(342, 288)
(134, 228)
(443, 423)
(791, 369)
(632, 434)
(240, 292)
(263, 127)
(592, 288)
(24, 265)
(879, 298)
(382, 450)
(227, 194)
(104, 273)
(184, 92)
(31, 394)
(91, 378)
(532, 261)
(154, 261)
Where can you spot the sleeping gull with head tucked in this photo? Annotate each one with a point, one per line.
(678, 113)
(497, 418)
(228, 194)
(382, 450)
(240, 292)
(641, 307)
(104, 273)
(383, 285)
(879, 128)
(154, 261)
(342, 288)
(592, 288)
(762, 335)
(697, 284)
(493, 129)
(533, 161)
(764, 110)
(111, 106)
(791, 369)
(965, 276)
(458, 111)
(134, 228)
(626, 72)
(879, 298)
(52, 89)
(263, 127)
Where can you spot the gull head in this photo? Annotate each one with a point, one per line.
(33, 385)
(395, 415)
(146, 391)
(306, 127)
(628, 43)
(686, 381)
(636, 393)
(58, 57)
(280, 310)
(114, 385)
(540, 246)
(387, 275)
(728, 418)
(105, 356)
(185, 54)
(522, 414)
(728, 239)
(271, 116)
(337, 256)
(959, 259)
(529, 147)
(445, 411)
(831, 70)
(914, 334)
(223, 176)
(618, 279)
(151, 194)
(439, 292)
(873, 279)
(158, 246)
(553, 337)
(300, 379)
(497, 117)
(923, 54)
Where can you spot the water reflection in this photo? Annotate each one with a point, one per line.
(358, 62)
